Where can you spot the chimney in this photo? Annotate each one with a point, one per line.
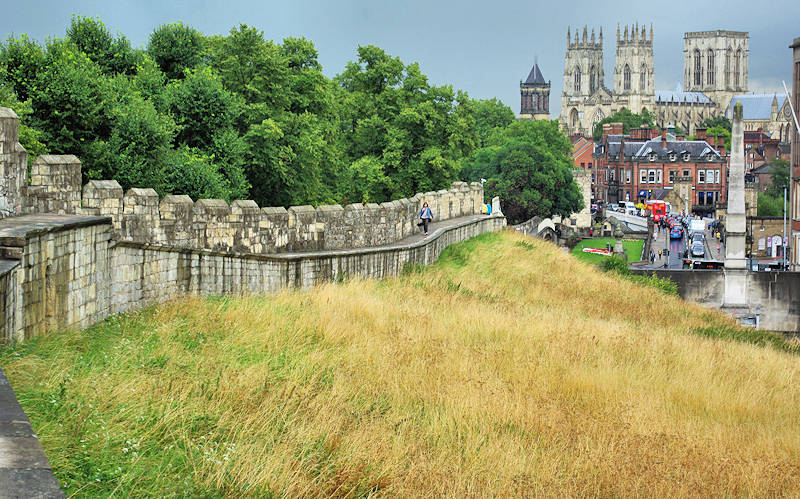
(664, 138)
(700, 133)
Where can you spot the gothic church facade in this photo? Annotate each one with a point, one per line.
(715, 69)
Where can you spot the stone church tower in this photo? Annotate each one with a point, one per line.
(583, 79)
(534, 95)
(715, 63)
(634, 78)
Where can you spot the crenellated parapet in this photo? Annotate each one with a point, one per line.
(140, 216)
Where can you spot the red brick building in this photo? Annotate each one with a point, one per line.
(582, 150)
(631, 167)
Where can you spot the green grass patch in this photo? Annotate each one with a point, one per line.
(633, 247)
(748, 335)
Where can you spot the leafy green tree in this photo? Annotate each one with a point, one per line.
(136, 151)
(201, 107)
(253, 68)
(91, 36)
(718, 131)
(419, 132)
(365, 182)
(716, 121)
(489, 115)
(70, 100)
(192, 172)
(627, 118)
(30, 138)
(21, 62)
(780, 177)
(175, 48)
(769, 205)
(528, 165)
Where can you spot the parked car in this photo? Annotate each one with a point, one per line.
(697, 236)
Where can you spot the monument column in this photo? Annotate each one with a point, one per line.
(735, 225)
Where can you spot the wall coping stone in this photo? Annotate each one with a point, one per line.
(15, 230)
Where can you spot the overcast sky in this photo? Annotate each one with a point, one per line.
(482, 46)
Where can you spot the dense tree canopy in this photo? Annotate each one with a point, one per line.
(627, 118)
(241, 116)
(528, 165)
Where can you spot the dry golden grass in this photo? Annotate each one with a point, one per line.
(511, 370)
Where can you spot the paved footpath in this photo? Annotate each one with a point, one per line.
(24, 469)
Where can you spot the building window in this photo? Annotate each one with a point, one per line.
(686, 173)
(590, 165)
(686, 157)
(627, 77)
(643, 78)
(737, 68)
(659, 177)
(651, 176)
(716, 176)
(612, 174)
(577, 80)
(643, 176)
(710, 176)
(710, 68)
(728, 66)
(673, 156)
(701, 198)
(672, 175)
(701, 176)
(583, 165)
(592, 80)
(652, 157)
(627, 176)
(698, 79)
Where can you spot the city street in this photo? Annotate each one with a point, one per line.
(715, 250)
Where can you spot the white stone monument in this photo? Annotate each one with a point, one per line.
(735, 226)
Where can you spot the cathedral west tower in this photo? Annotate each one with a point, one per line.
(634, 78)
(583, 80)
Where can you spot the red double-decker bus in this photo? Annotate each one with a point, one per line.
(657, 208)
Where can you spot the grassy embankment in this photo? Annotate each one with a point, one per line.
(508, 368)
(633, 248)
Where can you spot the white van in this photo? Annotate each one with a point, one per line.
(629, 207)
(697, 225)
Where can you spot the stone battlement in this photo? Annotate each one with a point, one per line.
(139, 215)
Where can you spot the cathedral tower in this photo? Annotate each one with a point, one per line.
(634, 77)
(583, 78)
(534, 95)
(715, 63)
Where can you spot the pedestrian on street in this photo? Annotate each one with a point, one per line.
(425, 216)
(659, 254)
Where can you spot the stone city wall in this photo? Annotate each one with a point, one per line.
(72, 274)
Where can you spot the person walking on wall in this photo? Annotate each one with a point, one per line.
(425, 215)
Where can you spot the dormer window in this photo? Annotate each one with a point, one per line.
(686, 157)
(673, 157)
(710, 157)
(652, 157)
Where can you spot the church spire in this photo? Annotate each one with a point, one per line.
(568, 40)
